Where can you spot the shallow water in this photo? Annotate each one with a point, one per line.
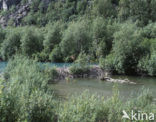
(104, 88)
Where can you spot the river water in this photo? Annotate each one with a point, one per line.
(104, 88)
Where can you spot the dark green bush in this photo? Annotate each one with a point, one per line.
(81, 66)
(11, 44)
(81, 108)
(76, 69)
(92, 108)
(25, 95)
(102, 33)
(126, 48)
(56, 55)
(51, 73)
(104, 8)
(31, 42)
(2, 35)
(108, 63)
(75, 39)
(53, 36)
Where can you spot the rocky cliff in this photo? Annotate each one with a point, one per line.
(19, 12)
(5, 4)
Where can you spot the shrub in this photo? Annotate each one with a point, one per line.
(2, 35)
(51, 73)
(104, 8)
(75, 39)
(81, 66)
(126, 48)
(76, 69)
(108, 63)
(102, 36)
(92, 108)
(25, 96)
(31, 42)
(56, 54)
(11, 44)
(81, 108)
(9, 106)
(40, 107)
(147, 63)
(53, 36)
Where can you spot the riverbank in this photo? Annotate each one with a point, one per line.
(65, 73)
(27, 87)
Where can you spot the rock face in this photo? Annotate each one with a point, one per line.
(21, 10)
(16, 17)
(5, 4)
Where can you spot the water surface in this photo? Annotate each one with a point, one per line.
(104, 88)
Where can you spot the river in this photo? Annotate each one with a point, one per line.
(104, 88)
(77, 86)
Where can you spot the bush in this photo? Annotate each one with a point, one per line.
(126, 48)
(25, 96)
(76, 69)
(147, 63)
(31, 42)
(108, 63)
(82, 108)
(75, 39)
(92, 108)
(2, 35)
(81, 66)
(9, 106)
(56, 55)
(102, 31)
(53, 36)
(40, 107)
(51, 73)
(11, 45)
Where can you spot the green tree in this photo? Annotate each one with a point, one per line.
(140, 11)
(126, 48)
(31, 42)
(102, 31)
(104, 8)
(75, 38)
(53, 36)
(10, 45)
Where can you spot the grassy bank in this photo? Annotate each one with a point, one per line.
(25, 96)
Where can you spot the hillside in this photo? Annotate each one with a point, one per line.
(120, 34)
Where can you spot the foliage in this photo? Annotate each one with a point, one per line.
(126, 48)
(51, 73)
(31, 42)
(104, 8)
(75, 38)
(81, 65)
(25, 96)
(53, 36)
(56, 55)
(11, 44)
(92, 108)
(119, 34)
(102, 33)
